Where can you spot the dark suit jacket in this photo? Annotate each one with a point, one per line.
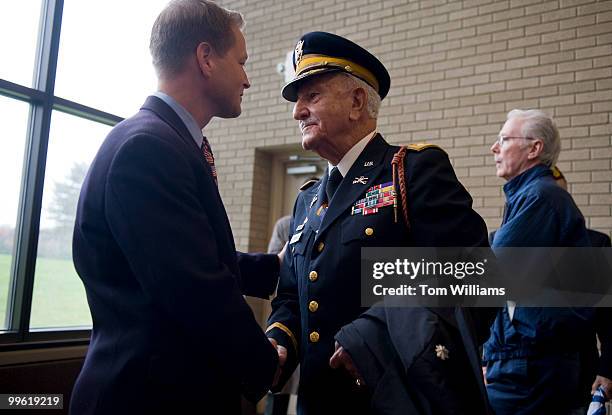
(330, 245)
(153, 246)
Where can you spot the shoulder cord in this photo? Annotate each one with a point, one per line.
(398, 172)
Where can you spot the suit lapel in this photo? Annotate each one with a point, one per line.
(362, 175)
(167, 114)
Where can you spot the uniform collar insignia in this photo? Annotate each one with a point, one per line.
(368, 164)
(360, 180)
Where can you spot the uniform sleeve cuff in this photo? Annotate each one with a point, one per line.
(283, 335)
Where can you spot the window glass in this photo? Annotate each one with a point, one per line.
(59, 297)
(104, 62)
(14, 121)
(19, 21)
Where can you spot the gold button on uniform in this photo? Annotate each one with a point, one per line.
(314, 337)
(313, 276)
(320, 246)
(313, 306)
(369, 231)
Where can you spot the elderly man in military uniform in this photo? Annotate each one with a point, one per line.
(407, 361)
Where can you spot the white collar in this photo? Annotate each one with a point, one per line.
(345, 164)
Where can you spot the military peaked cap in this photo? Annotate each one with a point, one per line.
(320, 52)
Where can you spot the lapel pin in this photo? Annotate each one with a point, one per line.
(360, 180)
(441, 352)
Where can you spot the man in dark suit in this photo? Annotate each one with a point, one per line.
(172, 332)
(405, 357)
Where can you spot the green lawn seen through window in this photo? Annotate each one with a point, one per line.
(59, 296)
(5, 271)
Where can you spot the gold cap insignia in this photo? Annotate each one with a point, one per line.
(298, 52)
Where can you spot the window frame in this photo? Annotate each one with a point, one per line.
(42, 101)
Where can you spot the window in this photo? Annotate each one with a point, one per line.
(19, 21)
(59, 297)
(70, 71)
(107, 57)
(14, 116)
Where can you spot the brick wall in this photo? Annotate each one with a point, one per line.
(457, 68)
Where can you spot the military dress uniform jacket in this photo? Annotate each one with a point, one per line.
(434, 370)
(319, 288)
(172, 332)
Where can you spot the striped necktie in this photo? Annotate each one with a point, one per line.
(210, 159)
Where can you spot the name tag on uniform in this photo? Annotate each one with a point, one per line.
(296, 237)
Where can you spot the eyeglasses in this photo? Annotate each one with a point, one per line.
(502, 139)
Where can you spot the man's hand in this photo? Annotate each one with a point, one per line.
(606, 385)
(282, 359)
(281, 254)
(341, 358)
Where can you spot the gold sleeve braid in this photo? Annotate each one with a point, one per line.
(286, 330)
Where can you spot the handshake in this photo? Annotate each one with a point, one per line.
(282, 359)
(340, 359)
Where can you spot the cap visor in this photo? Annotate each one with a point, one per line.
(290, 90)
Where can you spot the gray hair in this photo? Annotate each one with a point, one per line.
(183, 25)
(374, 99)
(538, 124)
